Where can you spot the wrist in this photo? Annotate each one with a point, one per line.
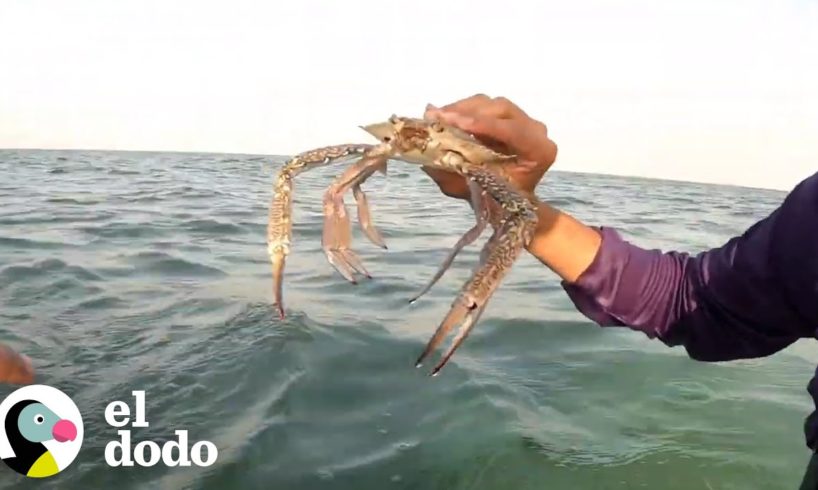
(562, 243)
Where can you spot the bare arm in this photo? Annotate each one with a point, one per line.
(750, 297)
(563, 243)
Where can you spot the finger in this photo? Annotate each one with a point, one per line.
(468, 105)
(496, 145)
(528, 140)
(482, 106)
(503, 131)
(451, 184)
(485, 128)
(503, 108)
(464, 117)
(500, 124)
(472, 117)
(15, 368)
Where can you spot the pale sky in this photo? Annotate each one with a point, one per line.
(702, 90)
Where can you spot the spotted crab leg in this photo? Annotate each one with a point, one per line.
(279, 225)
(478, 205)
(337, 235)
(498, 256)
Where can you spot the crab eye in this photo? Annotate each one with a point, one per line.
(387, 139)
(393, 119)
(39, 419)
(437, 127)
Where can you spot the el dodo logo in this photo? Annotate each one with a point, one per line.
(40, 431)
(149, 453)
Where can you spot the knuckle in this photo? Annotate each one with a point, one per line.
(504, 103)
(468, 105)
(477, 101)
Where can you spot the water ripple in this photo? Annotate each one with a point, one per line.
(144, 270)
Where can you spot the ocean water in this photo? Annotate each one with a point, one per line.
(148, 271)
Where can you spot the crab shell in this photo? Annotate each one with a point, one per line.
(421, 141)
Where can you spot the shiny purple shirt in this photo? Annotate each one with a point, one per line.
(749, 298)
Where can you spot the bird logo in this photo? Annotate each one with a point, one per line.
(40, 431)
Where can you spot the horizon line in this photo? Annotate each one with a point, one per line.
(582, 172)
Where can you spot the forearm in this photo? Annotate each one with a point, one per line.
(725, 303)
(563, 244)
(612, 282)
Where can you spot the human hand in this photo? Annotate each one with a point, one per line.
(501, 125)
(15, 368)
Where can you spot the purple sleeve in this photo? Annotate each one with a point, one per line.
(751, 297)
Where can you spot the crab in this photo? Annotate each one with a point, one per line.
(429, 144)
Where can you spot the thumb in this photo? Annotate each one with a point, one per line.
(527, 141)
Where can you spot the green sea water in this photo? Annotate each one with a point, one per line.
(148, 271)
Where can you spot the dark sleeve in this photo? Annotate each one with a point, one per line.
(751, 297)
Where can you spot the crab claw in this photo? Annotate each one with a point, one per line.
(496, 259)
(337, 237)
(365, 219)
(466, 310)
(337, 234)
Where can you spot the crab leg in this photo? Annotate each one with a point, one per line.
(478, 205)
(279, 225)
(365, 219)
(337, 234)
(499, 254)
(469, 305)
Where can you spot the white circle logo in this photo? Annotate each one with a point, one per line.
(40, 431)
